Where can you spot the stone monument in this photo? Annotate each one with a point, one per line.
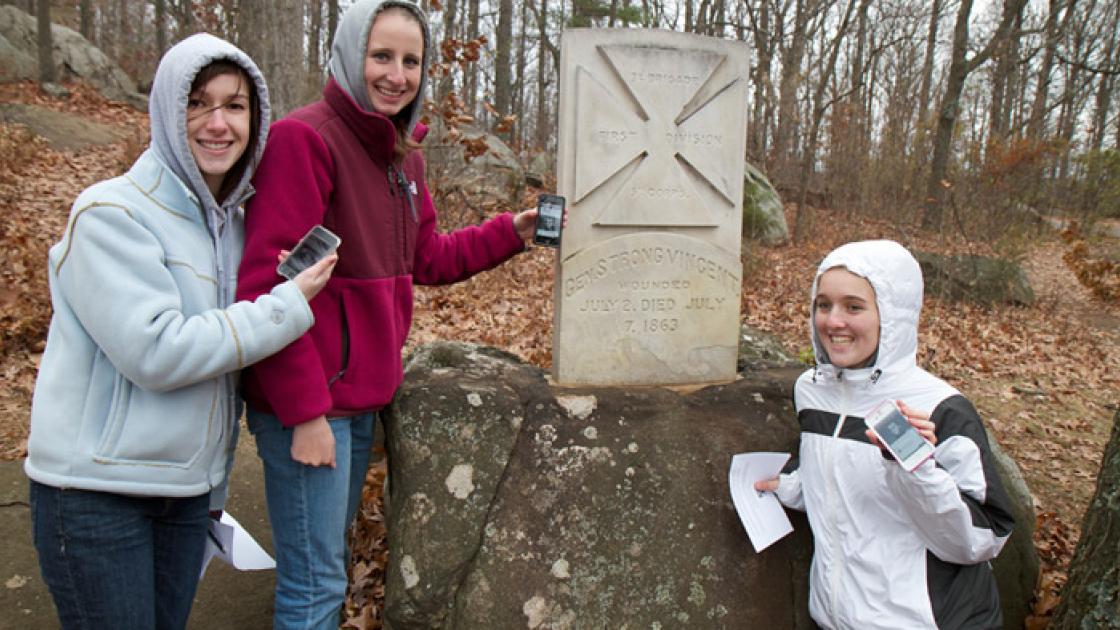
(651, 157)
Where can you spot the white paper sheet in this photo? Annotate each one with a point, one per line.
(763, 516)
(230, 542)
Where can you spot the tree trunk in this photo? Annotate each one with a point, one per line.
(1036, 124)
(85, 19)
(762, 103)
(959, 69)
(332, 22)
(543, 127)
(46, 42)
(315, 46)
(1091, 597)
(921, 135)
(819, 107)
(470, 78)
(267, 28)
(518, 133)
(502, 60)
(161, 28)
(786, 133)
(1006, 56)
(447, 82)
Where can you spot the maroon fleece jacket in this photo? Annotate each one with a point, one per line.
(331, 163)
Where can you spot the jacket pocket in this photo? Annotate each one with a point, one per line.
(170, 429)
(374, 341)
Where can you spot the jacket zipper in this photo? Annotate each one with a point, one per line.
(837, 547)
(345, 363)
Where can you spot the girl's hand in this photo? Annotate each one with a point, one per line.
(918, 419)
(312, 280)
(525, 222)
(767, 485)
(313, 442)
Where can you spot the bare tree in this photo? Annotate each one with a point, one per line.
(783, 148)
(46, 42)
(503, 44)
(820, 105)
(470, 73)
(265, 34)
(161, 27)
(1056, 20)
(959, 69)
(1106, 85)
(1006, 55)
(85, 12)
(1089, 597)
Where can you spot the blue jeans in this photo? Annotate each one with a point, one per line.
(116, 561)
(310, 509)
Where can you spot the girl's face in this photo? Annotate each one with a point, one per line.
(846, 318)
(394, 58)
(218, 124)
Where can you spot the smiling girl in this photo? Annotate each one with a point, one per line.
(350, 162)
(135, 412)
(892, 549)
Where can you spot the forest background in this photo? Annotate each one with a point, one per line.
(954, 126)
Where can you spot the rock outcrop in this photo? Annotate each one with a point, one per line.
(74, 57)
(513, 503)
(763, 217)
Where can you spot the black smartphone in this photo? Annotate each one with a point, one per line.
(550, 220)
(316, 245)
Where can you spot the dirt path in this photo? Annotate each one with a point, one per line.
(1056, 286)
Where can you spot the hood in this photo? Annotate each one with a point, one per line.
(168, 109)
(896, 277)
(348, 53)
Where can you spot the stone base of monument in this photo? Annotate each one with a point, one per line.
(514, 503)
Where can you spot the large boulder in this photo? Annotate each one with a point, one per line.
(760, 350)
(491, 178)
(763, 216)
(1017, 566)
(977, 279)
(74, 58)
(513, 503)
(15, 64)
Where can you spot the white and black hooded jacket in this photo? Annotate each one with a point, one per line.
(894, 549)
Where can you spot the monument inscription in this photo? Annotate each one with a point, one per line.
(652, 137)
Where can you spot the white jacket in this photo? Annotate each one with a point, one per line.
(892, 549)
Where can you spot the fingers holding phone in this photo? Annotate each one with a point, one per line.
(312, 280)
(893, 430)
(920, 421)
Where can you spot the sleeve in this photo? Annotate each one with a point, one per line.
(789, 490)
(447, 258)
(293, 187)
(114, 278)
(955, 500)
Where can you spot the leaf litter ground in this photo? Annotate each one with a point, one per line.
(1042, 376)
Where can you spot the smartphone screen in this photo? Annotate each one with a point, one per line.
(550, 219)
(317, 244)
(900, 437)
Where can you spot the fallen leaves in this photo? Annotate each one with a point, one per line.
(1043, 376)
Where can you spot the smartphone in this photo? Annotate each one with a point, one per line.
(316, 245)
(890, 425)
(550, 220)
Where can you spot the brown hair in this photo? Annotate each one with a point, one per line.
(218, 68)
